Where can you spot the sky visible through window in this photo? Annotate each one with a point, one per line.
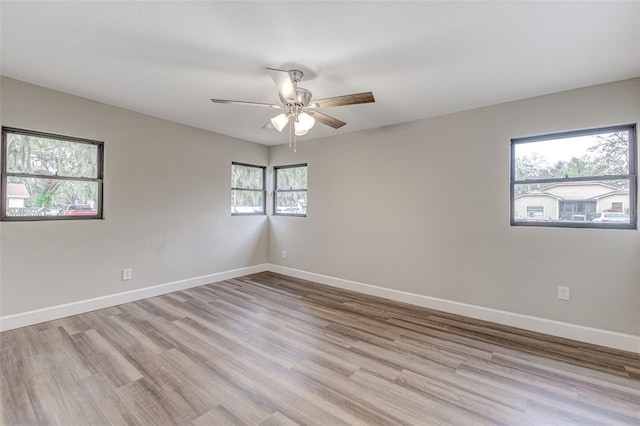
(555, 150)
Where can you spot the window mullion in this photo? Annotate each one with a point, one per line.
(573, 179)
(247, 189)
(52, 177)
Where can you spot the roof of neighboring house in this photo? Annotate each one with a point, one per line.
(17, 190)
(618, 192)
(538, 194)
(578, 184)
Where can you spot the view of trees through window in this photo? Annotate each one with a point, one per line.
(46, 175)
(575, 177)
(247, 189)
(291, 190)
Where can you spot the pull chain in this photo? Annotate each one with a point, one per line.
(291, 130)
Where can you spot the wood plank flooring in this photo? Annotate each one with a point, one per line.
(267, 349)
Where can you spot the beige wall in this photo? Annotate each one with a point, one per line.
(420, 207)
(423, 207)
(166, 201)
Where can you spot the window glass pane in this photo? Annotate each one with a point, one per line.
(573, 202)
(247, 202)
(44, 156)
(50, 197)
(294, 202)
(247, 177)
(617, 206)
(291, 178)
(591, 155)
(535, 211)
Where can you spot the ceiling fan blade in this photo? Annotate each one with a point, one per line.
(356, 98)
(227, 101)
(327, 120)
(268, 125)
(284, 83)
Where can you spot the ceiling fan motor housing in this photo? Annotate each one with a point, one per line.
(303, 96)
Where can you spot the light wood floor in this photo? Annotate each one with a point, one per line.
(271, 350)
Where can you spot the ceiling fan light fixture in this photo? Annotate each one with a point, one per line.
(280, 121)
(296, 100)
(299, 131)
(304, 122)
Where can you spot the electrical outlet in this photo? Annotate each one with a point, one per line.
(563, 292)
(284, 254)
(126, 274)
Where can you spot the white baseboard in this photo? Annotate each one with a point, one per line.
(37, 316)
(612, 339)
(595, 336)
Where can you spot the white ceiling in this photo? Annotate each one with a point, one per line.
(420, 59)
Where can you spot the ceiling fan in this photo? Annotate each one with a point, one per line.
(300, 111)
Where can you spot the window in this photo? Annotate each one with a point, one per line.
(290, 195)
(535, 211)
(570, 179)
(50, 177)
(247, 189)
(577, 210)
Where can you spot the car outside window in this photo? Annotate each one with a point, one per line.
(605, 217)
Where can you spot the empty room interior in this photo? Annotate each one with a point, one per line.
(330, 213)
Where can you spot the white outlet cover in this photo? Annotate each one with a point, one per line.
(563, 292)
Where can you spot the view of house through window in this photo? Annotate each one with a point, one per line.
(290, 194)
(575, 179)
(48, 176)
(247, 189)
